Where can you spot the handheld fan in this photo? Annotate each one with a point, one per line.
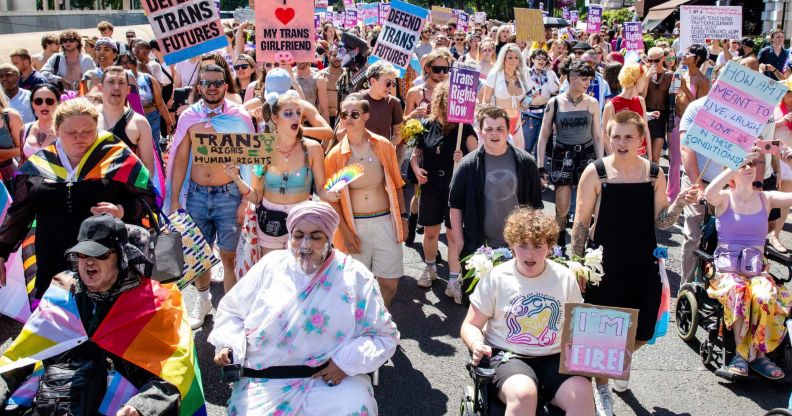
(343, 177)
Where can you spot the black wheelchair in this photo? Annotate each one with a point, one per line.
(695, 309)
(481, 398)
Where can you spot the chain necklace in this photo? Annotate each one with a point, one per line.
(575, 102)
(358, 157)
(287, 154)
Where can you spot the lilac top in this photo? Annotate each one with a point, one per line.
(739, 231)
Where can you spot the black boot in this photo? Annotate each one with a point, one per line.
(562, 240)
(412, 223)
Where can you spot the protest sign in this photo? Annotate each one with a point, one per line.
(565, 13)
(462, 91)
(633, 36)
(699, 23)
(370, 13)
(573, 17)
(597, 341)
(350, 18)
(442, 15)
(318, 24)
(320, 6)
(285, 31)
(338, 19)
(529, 24)
(463, 22)
(349, 4)
(233, 148)
(400, 35)
(384, 9)
(594, 19)
(185, 29)
(737, 111)
(480, 17)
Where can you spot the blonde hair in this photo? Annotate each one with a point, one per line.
(75, 107)
(528, 225)
(630, 74)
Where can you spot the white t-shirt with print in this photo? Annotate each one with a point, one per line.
(526, 314)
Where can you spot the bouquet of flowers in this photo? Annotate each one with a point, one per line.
(482, 261)
(588, 267)
(411, 131)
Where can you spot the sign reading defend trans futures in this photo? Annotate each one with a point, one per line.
(399, 35)
(185, 28)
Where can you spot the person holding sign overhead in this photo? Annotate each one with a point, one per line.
(211, 193)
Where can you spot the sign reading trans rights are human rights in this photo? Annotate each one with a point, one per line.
(185, 28)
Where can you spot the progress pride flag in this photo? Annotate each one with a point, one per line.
(185, 29)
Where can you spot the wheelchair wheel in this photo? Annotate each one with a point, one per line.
(778, 412)
(687, 315)
(467, 407)
(706, 352)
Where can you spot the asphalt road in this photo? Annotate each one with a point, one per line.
(426, 375)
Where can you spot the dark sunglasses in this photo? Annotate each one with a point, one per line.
(70, 40)
(285, 179)
(389, 84)
(439, 69)
(654, 61)
(354, 115)
(269, 65)
(206, 83)
(102, 257)
(40, 101)
(241, 66)
(130, 35)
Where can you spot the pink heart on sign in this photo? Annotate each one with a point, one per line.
(284, 15)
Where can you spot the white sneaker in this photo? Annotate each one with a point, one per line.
(218, 274)
(199, 311)
(454, 290)
(427, 277)
(603, 400)
(620, 386)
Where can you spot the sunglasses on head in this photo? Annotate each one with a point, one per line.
(241, 66)
(439, 69)
(102, 257)
(206, 83)
(345, 115)
(40, 101)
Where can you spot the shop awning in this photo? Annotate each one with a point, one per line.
(660, 12)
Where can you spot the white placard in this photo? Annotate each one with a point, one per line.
(699, 23)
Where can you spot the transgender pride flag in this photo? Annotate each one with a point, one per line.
(13, 296)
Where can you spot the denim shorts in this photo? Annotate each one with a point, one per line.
(214, 209)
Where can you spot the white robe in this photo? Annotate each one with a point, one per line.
(277, 316)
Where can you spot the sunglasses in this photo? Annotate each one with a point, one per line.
(389, 84)
(439, 69)
(124, 62)
(241, 66)
(70, 40)
(284, 180)
(540, 58)
(206, 83)
(130, 35)
(654, 61)
(40, 101)
(750, 164)
(102, 257)
(354, 115)
(269, 65)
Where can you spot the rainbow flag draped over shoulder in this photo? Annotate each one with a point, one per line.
(108, 158)
(146, 326)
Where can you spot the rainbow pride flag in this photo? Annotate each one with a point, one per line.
(13, 296)
(140, 328)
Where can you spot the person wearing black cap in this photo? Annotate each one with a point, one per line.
(352, 51)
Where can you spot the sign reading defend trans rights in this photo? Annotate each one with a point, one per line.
(399, 35)
(232, 148)
(185, 28)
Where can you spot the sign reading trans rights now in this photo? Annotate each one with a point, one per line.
(185, 29)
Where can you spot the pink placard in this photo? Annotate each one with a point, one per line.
(722, 128)
(752, 107)
(462, 95)
(285, 30)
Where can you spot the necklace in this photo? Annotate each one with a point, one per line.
(358, 157)
(575, 102)
(287, 154)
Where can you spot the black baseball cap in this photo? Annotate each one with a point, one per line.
(582, 46)
(98, 235)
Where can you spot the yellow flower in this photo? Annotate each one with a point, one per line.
(411, 130)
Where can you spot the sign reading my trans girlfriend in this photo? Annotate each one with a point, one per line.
(462, 92)
(736, 112)
(399, 35)
(285, 30)
(185, 28)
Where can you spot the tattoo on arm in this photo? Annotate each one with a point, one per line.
(579, 237)
(668, 216)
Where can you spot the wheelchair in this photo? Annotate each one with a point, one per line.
(481, 398)
(696, 310)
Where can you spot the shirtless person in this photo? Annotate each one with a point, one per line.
(435, 70)
(67, 68)
(130, 127)
(213, 199)
(372, 209)
(50, 45)
(314, 88)
(331, 74)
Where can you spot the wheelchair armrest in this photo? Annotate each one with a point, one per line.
(703, 255)
(482, 372)
(486, 373)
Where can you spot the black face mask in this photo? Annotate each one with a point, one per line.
(320, 51)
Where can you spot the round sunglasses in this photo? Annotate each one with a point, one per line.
(345, 115)
(40, 101)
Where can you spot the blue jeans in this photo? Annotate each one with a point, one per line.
(532, 124)
(214, 208)
(154, 118)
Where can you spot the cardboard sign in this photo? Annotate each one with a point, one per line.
(597, 341)
(633, 36)
(699, 23)
(285, 30)
(462, 91)
(370, 13)
(480, 17)
(400, 35)
(594, 19)
(384, 9)
(735, 113)
(573, 17)
(463, 22)
(233, 148)
(529, 24)
(350, 18)
(185, 29)
(320, 6)
(442, 16)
